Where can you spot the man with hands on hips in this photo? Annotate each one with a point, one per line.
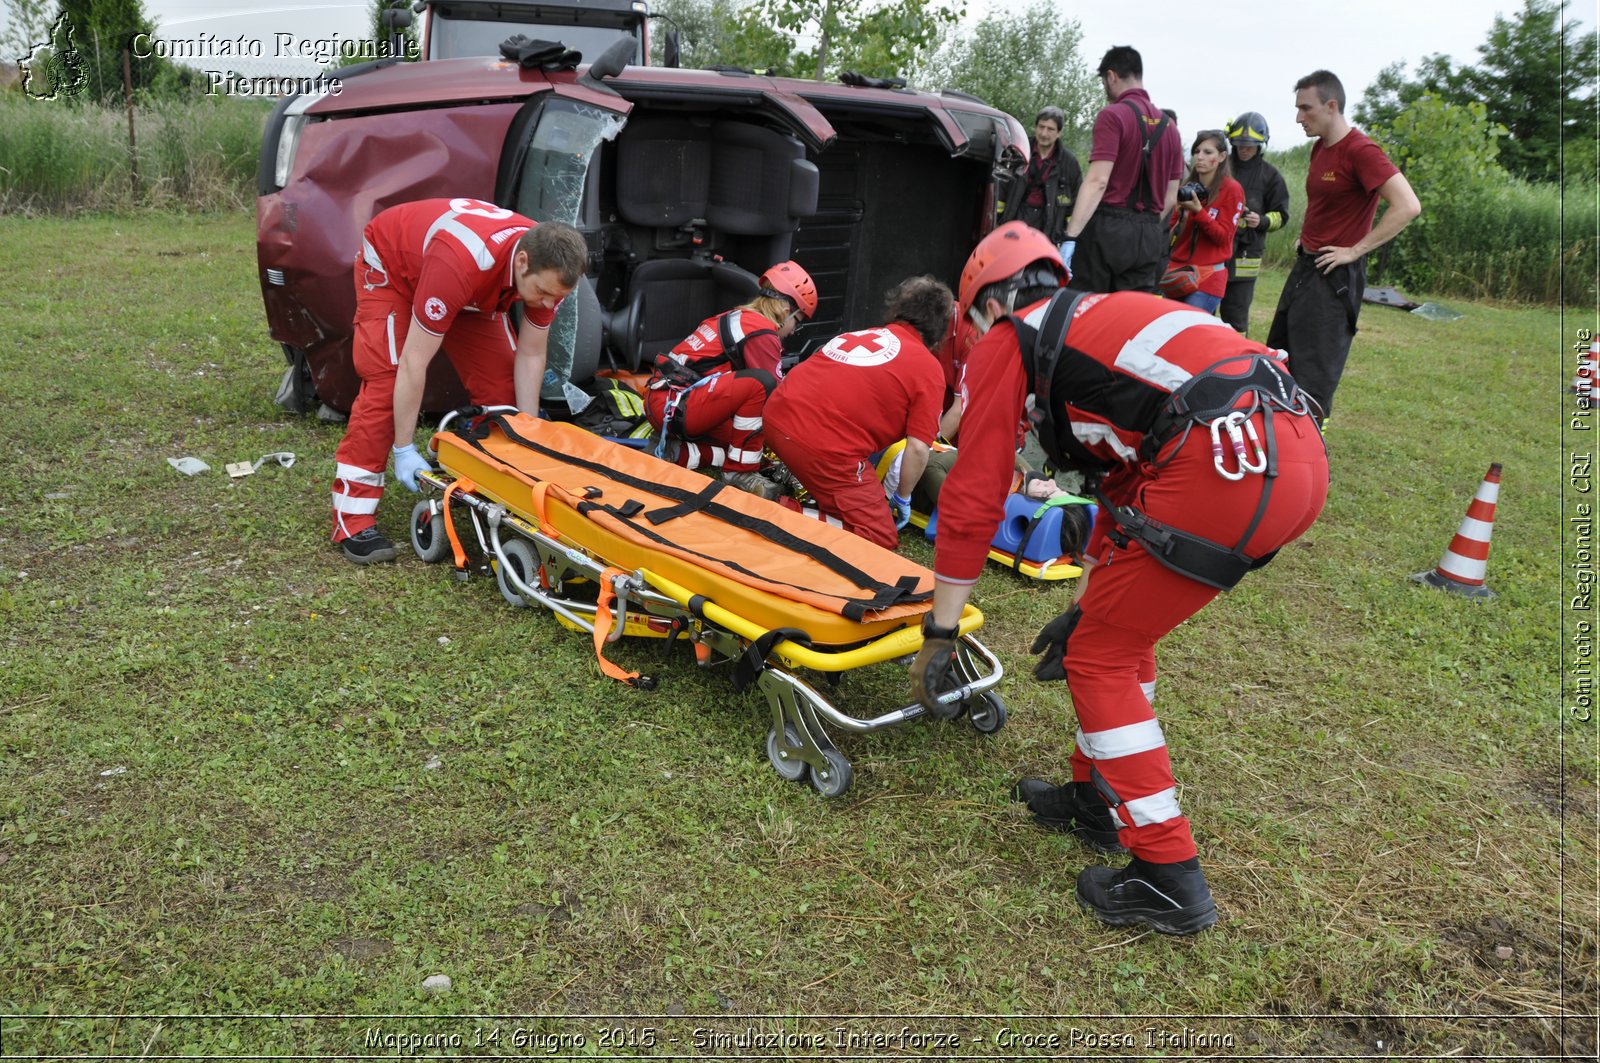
(441, 273)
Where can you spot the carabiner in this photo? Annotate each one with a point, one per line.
(1259, 465)
(1217, 456)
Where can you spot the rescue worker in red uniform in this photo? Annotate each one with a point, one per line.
(855, 396)
(432, 272)
(1207, 462)
(707, 394)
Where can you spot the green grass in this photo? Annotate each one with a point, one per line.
(1379, 777)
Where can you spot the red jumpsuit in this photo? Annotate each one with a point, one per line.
(1125, 353)
(861, 392)
(447, 265)
(721, 419)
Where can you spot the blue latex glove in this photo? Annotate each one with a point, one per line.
(900, 509)
(407, 464)
(1068, 247)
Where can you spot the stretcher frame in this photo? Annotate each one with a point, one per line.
(535, 565)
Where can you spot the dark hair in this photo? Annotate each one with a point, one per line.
(1327, 84)
(1123, 61)
(1224, 168)
(558, 246)
(1054, 114)
(1036, 281)
(1172, 116)
(922, 302)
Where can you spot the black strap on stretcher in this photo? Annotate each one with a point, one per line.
(878, 596)
(1205, 396)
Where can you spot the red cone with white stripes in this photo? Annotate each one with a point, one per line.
(1462, 568)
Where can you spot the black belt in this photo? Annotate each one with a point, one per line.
(1130, 212)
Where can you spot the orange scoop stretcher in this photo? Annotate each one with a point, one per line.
(616, 542)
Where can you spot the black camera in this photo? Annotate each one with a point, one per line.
(1193, 190)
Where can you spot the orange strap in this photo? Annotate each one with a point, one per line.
(450, 523)
(539, 489)
(602, 626)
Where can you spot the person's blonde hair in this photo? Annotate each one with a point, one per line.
(775, 308)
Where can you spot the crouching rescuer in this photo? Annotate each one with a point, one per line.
(1205, 460)
(441, 273)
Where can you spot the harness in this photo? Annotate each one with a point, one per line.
(1147, 138)
(682, 375)
(1211, 397)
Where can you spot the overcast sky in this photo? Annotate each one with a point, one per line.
(1206, 59)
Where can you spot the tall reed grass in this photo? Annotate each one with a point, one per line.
(193, 154)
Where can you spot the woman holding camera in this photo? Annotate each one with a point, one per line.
(1209, 204)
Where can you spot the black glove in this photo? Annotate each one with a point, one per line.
(1052, 642)
(933, 672)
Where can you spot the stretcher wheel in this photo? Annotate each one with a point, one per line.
(837, 777)
(987, 714)
(789, 767)
(519, 558)
(428, 536)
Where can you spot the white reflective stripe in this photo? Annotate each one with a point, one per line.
(481, 255)
(346, 504)
(505, 323)
(1488, 491)
(1473, 528)
(1149, 691)
(1139, 355)
(355, 474)
(735, 325)
(746, 424)
(1090, 433)
(394, 355)
(1125, 741)
(1157, 808)
(816, 514)
(719, 456)
(744, 457)
(1463, 569)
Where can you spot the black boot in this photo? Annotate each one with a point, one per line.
(1171, 898)
(1074, 808)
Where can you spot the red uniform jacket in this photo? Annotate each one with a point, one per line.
(1205, 237)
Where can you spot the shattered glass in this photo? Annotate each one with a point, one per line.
(555, 175)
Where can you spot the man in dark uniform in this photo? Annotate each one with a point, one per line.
(1115, 241)
(1266, 209)
(1042, 194)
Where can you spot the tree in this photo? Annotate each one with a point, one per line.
(1535, 78)
(1527, 61)
(881, 40)
(1449, 154)
(28, 25)
(1020, 62)
(722, 33)
(1390, 93)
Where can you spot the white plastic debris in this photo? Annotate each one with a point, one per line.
(433, 764)
(283, 459)
(577, 398)
(189, 466)
(436, 983)
(120, 769)
(444, 640)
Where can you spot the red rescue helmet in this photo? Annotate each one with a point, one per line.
(788, 279)
(1005, 252)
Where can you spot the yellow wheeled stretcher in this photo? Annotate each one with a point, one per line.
(616, 542)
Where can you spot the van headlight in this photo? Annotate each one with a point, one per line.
(294, 123)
